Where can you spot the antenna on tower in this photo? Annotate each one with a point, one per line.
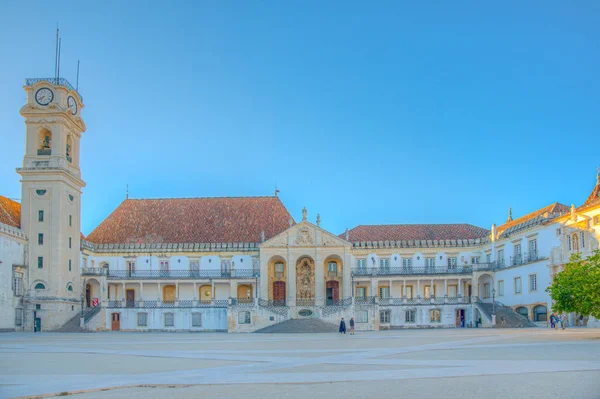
(56, 55)
(77, 84)
(127, 192)
(58, 63)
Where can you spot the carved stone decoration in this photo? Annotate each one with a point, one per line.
(279, 241)
(305, 279)
(305, 237)
(328, 240)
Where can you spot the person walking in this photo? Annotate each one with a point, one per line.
(552, 320)
(352, 326)
(562, 320)
(342, 326)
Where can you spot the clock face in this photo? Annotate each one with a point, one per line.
(44, 96)
(72, 104)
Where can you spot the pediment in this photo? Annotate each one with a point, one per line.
(305, 234)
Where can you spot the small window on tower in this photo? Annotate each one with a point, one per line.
(40, 239)
(70, 220)
(40, 216)
(70, 242)
(69, 264)
(40, 262)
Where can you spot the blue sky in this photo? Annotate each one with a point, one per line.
(394, 112)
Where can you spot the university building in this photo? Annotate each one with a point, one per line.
(242, 264)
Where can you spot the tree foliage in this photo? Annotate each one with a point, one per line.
(577, 287)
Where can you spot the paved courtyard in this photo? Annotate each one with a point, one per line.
(463, 363)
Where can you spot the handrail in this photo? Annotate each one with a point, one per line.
(181, 274)
(57, 82)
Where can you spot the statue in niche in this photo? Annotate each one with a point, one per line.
(305, 280)
(46, 142)
(68, 150)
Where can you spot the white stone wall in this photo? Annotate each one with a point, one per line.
(12, 252)
(213, 319)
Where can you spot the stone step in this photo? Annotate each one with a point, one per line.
(297, 326)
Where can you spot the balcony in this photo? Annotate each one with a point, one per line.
(332, 273)
(419, 270)
(524, 258)
(57, 82)
(122, 304)
(181, 274)
(93, 271)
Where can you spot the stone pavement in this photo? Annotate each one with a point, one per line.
(456, 363)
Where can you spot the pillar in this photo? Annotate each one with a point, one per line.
(195, 290)
(319, 280)
(291, 283)
(141, 291)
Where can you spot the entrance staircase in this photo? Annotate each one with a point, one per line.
(513, 319)
(74, 325)
(298, 326)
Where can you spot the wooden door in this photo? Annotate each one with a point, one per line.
(279, 292)
(130, 298)
(458, 318)
(88, 295)
(335, 288)
(116, 321)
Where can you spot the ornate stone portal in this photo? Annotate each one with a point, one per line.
(305, 278)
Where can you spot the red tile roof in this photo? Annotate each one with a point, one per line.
(193, 220)
(399, 232)
(594, 198)
(10, 212)
(534, 218)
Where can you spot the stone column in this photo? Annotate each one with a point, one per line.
(159, 292)
(347, 280)
(291, 282)
(232, 289)
(141, 291)
(195, 291)
(418, 288)
(319, 280)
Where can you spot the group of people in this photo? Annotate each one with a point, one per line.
(556, 320)
(343, 326)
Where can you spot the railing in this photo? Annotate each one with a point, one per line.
(521, 259)
(242, 301)
(275, 303)
(339, 302)
(332, 273)
(305, 302)
(124, 304)
(93, 271)
(180, 274)
(277, 307)
(416, 270)
(405, 301)
(54, 81)
(89, 313)
(364, 300)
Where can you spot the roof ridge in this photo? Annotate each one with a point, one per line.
(191, 198)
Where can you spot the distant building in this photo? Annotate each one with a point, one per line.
(241, 264)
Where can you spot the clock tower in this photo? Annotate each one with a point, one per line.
(51, 201)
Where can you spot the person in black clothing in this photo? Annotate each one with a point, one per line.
(342, 326)
(352, 326)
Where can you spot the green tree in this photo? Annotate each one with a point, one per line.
(577, 287)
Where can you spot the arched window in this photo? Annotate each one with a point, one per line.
(40, 286)
(575, 242)
(522, 310)
(69, 149)
(45, 142)
(70, 287)
(540, 313)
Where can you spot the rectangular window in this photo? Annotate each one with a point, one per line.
(452, 291)
(569, 241)
(40, 262)
(279, 270)
(429, 292)
(70, 220)
(243, 317)
(40, 216)
(332, 269)
(196, 319)
(488, 258)
(429, 263)
(501, 288)
(362, 316)
(410, 316)
(164, 265)
(70, 242)
(582, 236)
(596, 220)
(452, 262)
(475, 260)
(194, 266)
(18, 316)
(131, 268)
(38, 306)
(142, 319)
(384, 263)
(384, 316)
(40, 239)
(409, 291)
(517, 285)
(361, 292)
(434, 315)
(69, 264)
(487, 292)
(501, 256)
(532, 248)
(407, 263)
(384, 292)
(532, 282)
(18, 284)
(169, 320)
(361, 263)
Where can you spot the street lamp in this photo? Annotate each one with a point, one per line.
(493, 301)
